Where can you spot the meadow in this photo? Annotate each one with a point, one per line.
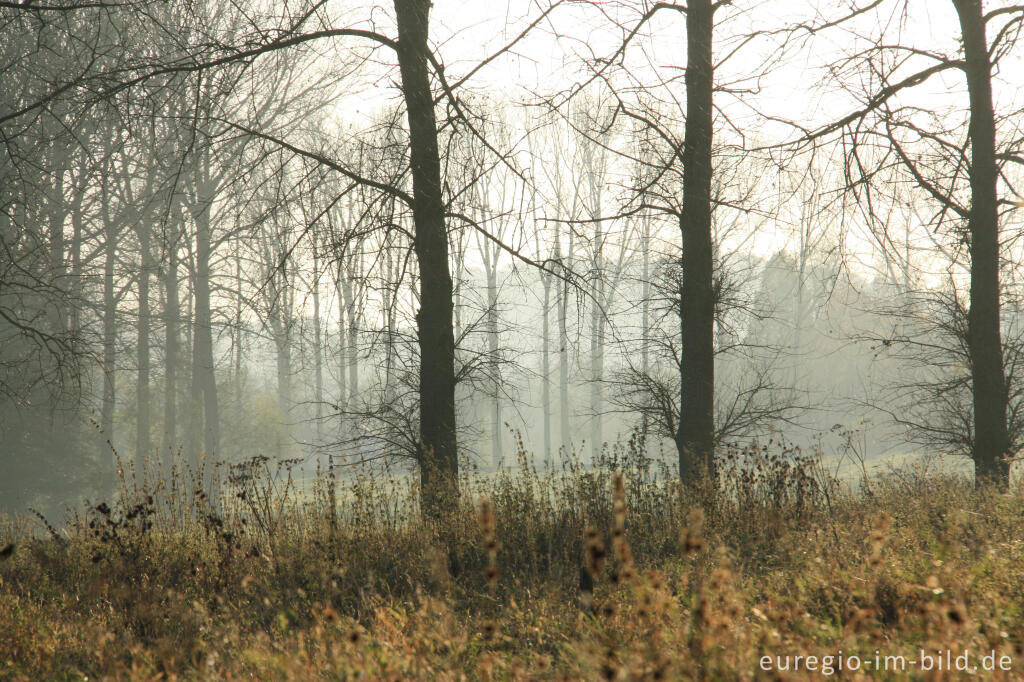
(615, 572)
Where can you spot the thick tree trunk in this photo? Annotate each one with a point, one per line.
(439, 464)
(695, 435)
(991, 441)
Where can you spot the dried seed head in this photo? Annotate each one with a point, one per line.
(486, 519)
(957, 613)
(491, 575)
(491, 544)
(691, 538)
(619, 500)
(595, 557)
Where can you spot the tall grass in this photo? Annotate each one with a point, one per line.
(615, 571)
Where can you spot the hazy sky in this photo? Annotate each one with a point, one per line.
(790, 83)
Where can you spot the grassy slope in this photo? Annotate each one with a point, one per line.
(271, 589)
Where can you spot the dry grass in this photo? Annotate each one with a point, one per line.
(614, 573)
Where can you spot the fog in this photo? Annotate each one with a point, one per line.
(215, 246)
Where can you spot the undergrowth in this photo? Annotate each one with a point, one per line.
(610, 572)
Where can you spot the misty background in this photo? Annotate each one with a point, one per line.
(206, 256)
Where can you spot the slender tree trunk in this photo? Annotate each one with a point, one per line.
(563, 350)
(645, 314)
(798, 301)
(439, 464)
(991, 440)
(318, 360)
(283, 341)
(597, 353)
(172, 315)
(142, 421)
(204, 380)
(352, 345)
(75, 287)
(239, 340)
(695, 435)
(546, 366)
(57, 213)
(491, 265)
(108, 468)
(342, 351)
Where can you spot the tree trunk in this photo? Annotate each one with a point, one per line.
(57, 209)
(563, 348)
(142, 420)
(991, 441)
(597, 354)
(439, 464)
(318, 359)
(342, 352)
(350, 362)
(239, 341)
(75, 287)
(172, 315)
(203, 378)
(695, 435)
(282, 329)
(491, 266)
(108, 468)
(546, 366)
(645, 315)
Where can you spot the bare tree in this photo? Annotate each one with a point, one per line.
(887, 132)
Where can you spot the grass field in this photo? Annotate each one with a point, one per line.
(611, 573)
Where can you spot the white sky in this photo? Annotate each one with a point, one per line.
(551, 60)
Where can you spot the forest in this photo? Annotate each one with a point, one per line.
(567, 339)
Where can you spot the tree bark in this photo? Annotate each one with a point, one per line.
(107, 469)
(546, 365)
(142, 420)
(695, 434)
(562, 295)
(645, 314)
(318, 360)
(991, 440)
(597, 294)
(203, 378)
(439, 464)
(491, 268)
(172, 315)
